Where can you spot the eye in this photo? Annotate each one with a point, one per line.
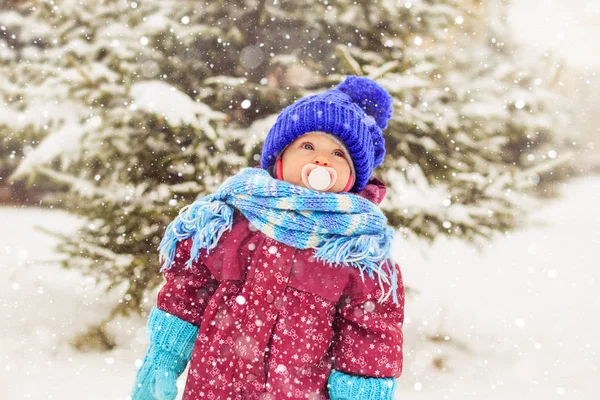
(338, 153)
(307, 146)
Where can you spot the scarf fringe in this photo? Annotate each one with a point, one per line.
(365, 253)
(205, 220)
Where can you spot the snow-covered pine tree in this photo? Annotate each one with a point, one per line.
(16, 135)
(132, 147)
(149, 104)
(478, 124)
(542, 113)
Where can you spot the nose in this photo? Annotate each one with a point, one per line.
(321, 160)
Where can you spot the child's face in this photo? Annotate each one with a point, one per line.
(318, 149)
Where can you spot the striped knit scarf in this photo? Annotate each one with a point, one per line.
(343, 228)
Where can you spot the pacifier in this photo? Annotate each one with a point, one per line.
(317, 177)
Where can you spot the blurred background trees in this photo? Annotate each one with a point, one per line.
(124, 112)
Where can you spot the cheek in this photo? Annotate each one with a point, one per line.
(343, 169)
(292, 168)
(343, 174)
(342, 181)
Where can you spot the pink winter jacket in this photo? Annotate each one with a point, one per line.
(273, 321)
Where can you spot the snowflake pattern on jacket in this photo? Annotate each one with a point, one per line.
(273, 321)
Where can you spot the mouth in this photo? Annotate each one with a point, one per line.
(318, 178)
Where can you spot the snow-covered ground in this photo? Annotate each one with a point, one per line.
(521, 317)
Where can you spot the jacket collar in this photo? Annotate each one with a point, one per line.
(374, 191)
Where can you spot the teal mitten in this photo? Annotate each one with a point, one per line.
(345, 387)
(171, 344)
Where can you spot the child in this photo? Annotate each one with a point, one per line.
(281, 284)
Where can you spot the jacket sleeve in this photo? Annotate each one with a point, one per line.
(187, 290)
(369, 336)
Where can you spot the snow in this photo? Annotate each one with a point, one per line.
(523, 307)
(64, 142)
(174, 105)
(519, 316)
(568, 27)
(30, 29)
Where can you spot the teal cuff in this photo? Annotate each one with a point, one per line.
(171, 334)
(345, 387)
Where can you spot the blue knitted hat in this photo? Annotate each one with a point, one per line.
(356, 112)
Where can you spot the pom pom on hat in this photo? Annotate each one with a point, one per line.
(369, 96)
